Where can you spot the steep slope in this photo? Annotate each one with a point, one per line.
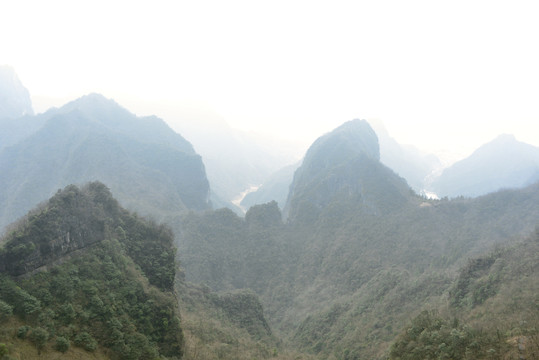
(359, 252)
(82, 271)
(341, 165)
(502, 163)
(14, 97)
(147, 166)
(493, 306)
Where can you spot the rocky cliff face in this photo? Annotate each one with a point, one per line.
(72, 220)
(83, 262)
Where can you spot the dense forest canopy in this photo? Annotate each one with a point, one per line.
(82, 271)
(360, 254)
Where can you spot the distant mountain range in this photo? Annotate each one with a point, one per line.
(503, 163)
(14, 97)
(408, 162)
(147, 165)
(351, 262)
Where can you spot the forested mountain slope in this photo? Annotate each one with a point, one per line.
(491, 311)
(359, 253)
(80, 272)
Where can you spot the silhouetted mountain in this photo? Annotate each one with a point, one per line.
(501, 163)
(147, 166)
(14, 97)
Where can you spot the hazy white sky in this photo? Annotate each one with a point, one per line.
(440, 75)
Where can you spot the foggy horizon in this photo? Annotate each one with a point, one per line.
(444, 78)
(285, 180)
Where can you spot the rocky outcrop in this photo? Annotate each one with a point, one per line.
(72, 220)
(344, 165)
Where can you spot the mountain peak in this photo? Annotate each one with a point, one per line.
(343, 166)
(95, 98)
(354, 137)
(94, 104)
(14, 97)
(503, 162)
(505, 138)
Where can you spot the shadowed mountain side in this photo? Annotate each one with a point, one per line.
(343, 164)
(155, 174)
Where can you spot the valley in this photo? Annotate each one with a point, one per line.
(117, 244)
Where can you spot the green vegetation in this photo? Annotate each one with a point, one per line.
(108, 279)
(493, 304)
(360, 254)
(62, 344)
(227, 326)
(431, 337)
(362, 268)
(344, 299)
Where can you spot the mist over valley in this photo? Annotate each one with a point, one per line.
(124, 239)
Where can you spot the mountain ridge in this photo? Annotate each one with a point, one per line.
(501, 163)
(156, 173)
(341, 277)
